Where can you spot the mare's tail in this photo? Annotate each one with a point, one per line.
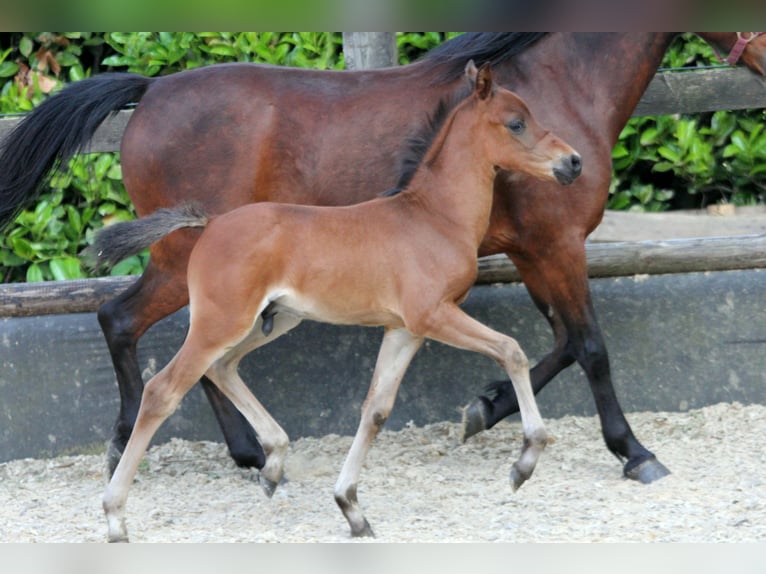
(54, 131)
(116, 242)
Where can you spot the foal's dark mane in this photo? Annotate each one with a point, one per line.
(481, 47)
(417, 145)
(451, 57)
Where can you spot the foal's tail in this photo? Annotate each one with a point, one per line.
(54, 131)
(121, 240)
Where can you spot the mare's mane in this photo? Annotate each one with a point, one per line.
(481, 47)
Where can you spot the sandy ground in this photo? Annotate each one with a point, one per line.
(422, 485)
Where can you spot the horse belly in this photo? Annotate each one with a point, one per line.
(341, 308)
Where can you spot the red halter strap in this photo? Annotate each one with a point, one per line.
(743, 39)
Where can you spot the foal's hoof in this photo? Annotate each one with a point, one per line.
(517, 477)
(363, 531)
(474, 418)
(268, 486)
(122, 539)
(647, 471)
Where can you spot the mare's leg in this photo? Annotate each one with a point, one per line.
(124, 319)
(160, 397)
(396, 352)
(561, 292)
(452, 326)
(273, 439)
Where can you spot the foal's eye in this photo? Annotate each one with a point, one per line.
(516, 126)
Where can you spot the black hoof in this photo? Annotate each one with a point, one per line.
(647, 471)
(474, 418)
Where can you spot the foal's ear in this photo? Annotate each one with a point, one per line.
(483, 82)
(470, 72)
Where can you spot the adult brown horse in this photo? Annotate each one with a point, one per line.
(285, 263)
(227, 135)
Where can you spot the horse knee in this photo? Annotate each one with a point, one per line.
(513, 357)
(158, 399)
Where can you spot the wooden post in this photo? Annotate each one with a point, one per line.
(367, 50)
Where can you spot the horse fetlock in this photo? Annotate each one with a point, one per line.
(538, 438)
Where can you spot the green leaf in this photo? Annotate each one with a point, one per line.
(662, 166)
(619, 151)
(23, 248)
(65, 268)
(739, 141)
(131, 266)
(8, 69)
(34, 274)
(26, 46)
(669, 154)
(649, 136)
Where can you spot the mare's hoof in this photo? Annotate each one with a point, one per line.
(647, 471)
(474, 418)
(364, 531)
(268, 486)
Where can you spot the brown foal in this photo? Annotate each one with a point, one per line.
(258, 271)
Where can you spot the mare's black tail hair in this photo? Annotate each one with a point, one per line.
(57, 129)
(116, 242)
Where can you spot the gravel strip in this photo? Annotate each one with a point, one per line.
(421, 485)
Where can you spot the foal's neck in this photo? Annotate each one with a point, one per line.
(455, 179)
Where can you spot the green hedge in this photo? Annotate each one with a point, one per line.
(660, 163)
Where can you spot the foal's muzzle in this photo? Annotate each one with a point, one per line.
(568, 169)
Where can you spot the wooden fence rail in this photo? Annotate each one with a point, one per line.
(604, 260)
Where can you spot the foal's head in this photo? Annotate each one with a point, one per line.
(513, 138)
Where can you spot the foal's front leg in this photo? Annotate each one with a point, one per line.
(452, 326)
(396, 352)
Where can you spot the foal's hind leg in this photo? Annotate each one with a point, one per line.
(452, 326)
(396, 352)
(223, 373)
(124, 319)
(161, 396)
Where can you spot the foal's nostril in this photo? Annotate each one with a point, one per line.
(575, 163)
